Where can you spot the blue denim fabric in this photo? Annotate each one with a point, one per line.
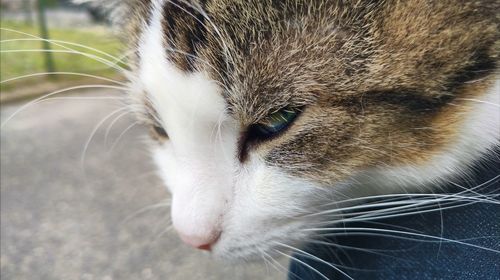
(392, 258)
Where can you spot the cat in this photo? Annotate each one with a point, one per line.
(266, 114)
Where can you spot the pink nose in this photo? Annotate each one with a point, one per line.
(200, 242)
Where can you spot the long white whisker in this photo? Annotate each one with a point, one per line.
(311, 256)
(121, 135)
(417, 212)
(267, 262)
(113, 122)
(163, 232)
(371, 234)
(471, 191)
(145, 209)
(79, 98)
(388, 213)
(54, 93)
(63, 73)
(371, 251)
(94, 57)
(411, 203)
(94, 131)
(303, 263)
(97, 58)
(405, 204)
(65, 43)
(479, 101)
(398, 195)
(278, 265)
(390, 231)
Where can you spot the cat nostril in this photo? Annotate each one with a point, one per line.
(202, 243)
(206, 247)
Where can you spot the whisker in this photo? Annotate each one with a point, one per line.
(303, 263)
(79, 98)
(389, 231)
(267, 262)
(472, 191)
(479, 101)
(147, 208)
(52, 41)
(311, 256)
(387, 213)
(371, 251)
(163, 232)
(57, 92)
(371, 234)
(94, 131)
(405, 203)
(372, 216)
(97, 58)
(113, 122)
(406, 195)
(94, 57)
(278, 265)
(63, 73)
(121, 135)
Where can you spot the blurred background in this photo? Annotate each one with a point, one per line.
(71, 29)
(79, 195)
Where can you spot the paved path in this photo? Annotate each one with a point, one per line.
(60, 222)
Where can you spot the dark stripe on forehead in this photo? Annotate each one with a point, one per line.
(185, 31)
(169, 22)
(198, 36)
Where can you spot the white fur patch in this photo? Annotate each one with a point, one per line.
(197, 161)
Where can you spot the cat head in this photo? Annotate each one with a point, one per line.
(267, 111)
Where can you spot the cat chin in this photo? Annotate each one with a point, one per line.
(239, 254)
(260, 247)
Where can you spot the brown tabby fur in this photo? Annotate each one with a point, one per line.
(381, 83)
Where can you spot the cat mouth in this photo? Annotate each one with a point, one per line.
(254, 251)
(257, 246)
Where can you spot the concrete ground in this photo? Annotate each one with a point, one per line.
(62, 221)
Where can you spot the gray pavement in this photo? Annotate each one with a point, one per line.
(59, 221)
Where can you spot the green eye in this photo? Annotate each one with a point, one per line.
(276, 122)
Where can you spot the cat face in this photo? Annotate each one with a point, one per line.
(265, 113)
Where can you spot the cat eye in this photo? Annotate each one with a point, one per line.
(158, 133)
(275, 123)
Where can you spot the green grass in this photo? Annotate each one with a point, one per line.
(15, 64)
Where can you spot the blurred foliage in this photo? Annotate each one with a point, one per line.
(51, 3)
(28, 58)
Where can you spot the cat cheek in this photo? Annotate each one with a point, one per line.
(270, 201)
(162, 159)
